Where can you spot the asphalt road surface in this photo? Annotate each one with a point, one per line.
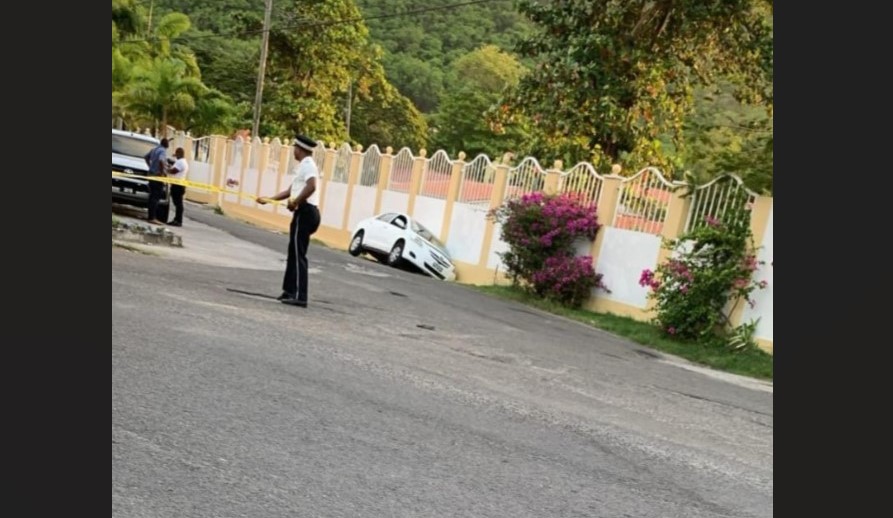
(398, 395)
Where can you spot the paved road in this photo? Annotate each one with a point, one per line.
(226, 404)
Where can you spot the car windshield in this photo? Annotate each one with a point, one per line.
(130, 146)
(427, 235)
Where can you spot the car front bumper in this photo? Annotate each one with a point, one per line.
(439, 272)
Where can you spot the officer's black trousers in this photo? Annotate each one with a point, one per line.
(304, 224)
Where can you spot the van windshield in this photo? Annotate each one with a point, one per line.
(130, 146)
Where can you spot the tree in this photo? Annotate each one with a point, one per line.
(420, 47)
(120, 64)
(229, 65)
(213, 113)
(155, 79)
(126, 23)
(136, 42)
(313, 63)
(725, 136)
(126, 17)
(418, 51)
(217, 16)
(162, 92)
(387, 118)
(169, 27)
(478, 79)
(224, 36)
(419, 80)
(613, 76)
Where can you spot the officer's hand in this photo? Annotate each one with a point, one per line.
(292, 205)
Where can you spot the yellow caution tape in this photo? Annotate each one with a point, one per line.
(196, 185)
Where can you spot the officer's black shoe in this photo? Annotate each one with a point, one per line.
(295, 302)
(285, 295)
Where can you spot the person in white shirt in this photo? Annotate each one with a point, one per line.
(178, 171)
(303, 199)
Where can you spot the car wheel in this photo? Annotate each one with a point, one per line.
(356, 244)
(396, 255)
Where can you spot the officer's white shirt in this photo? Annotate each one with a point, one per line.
(303, 173)
(181, 166)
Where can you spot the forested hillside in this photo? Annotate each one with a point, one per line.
(683, 87)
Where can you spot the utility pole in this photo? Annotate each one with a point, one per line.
(265, 43)
(349, 105)
(149, 24)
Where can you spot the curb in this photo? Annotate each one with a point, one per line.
(144, 234)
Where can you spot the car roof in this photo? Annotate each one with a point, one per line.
(137, 136)
(395, 213)
(410, 219)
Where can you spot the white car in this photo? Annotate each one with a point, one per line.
(395, 239)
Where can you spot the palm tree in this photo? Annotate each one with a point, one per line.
(161, 91)
(213, 113)
(170, 27)
(126, 16)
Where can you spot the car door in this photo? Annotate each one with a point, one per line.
(393, 230)
(377, 231)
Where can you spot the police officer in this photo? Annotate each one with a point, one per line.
(157, 162)
(302, 201)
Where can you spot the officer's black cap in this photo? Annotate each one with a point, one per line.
(305, 142)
